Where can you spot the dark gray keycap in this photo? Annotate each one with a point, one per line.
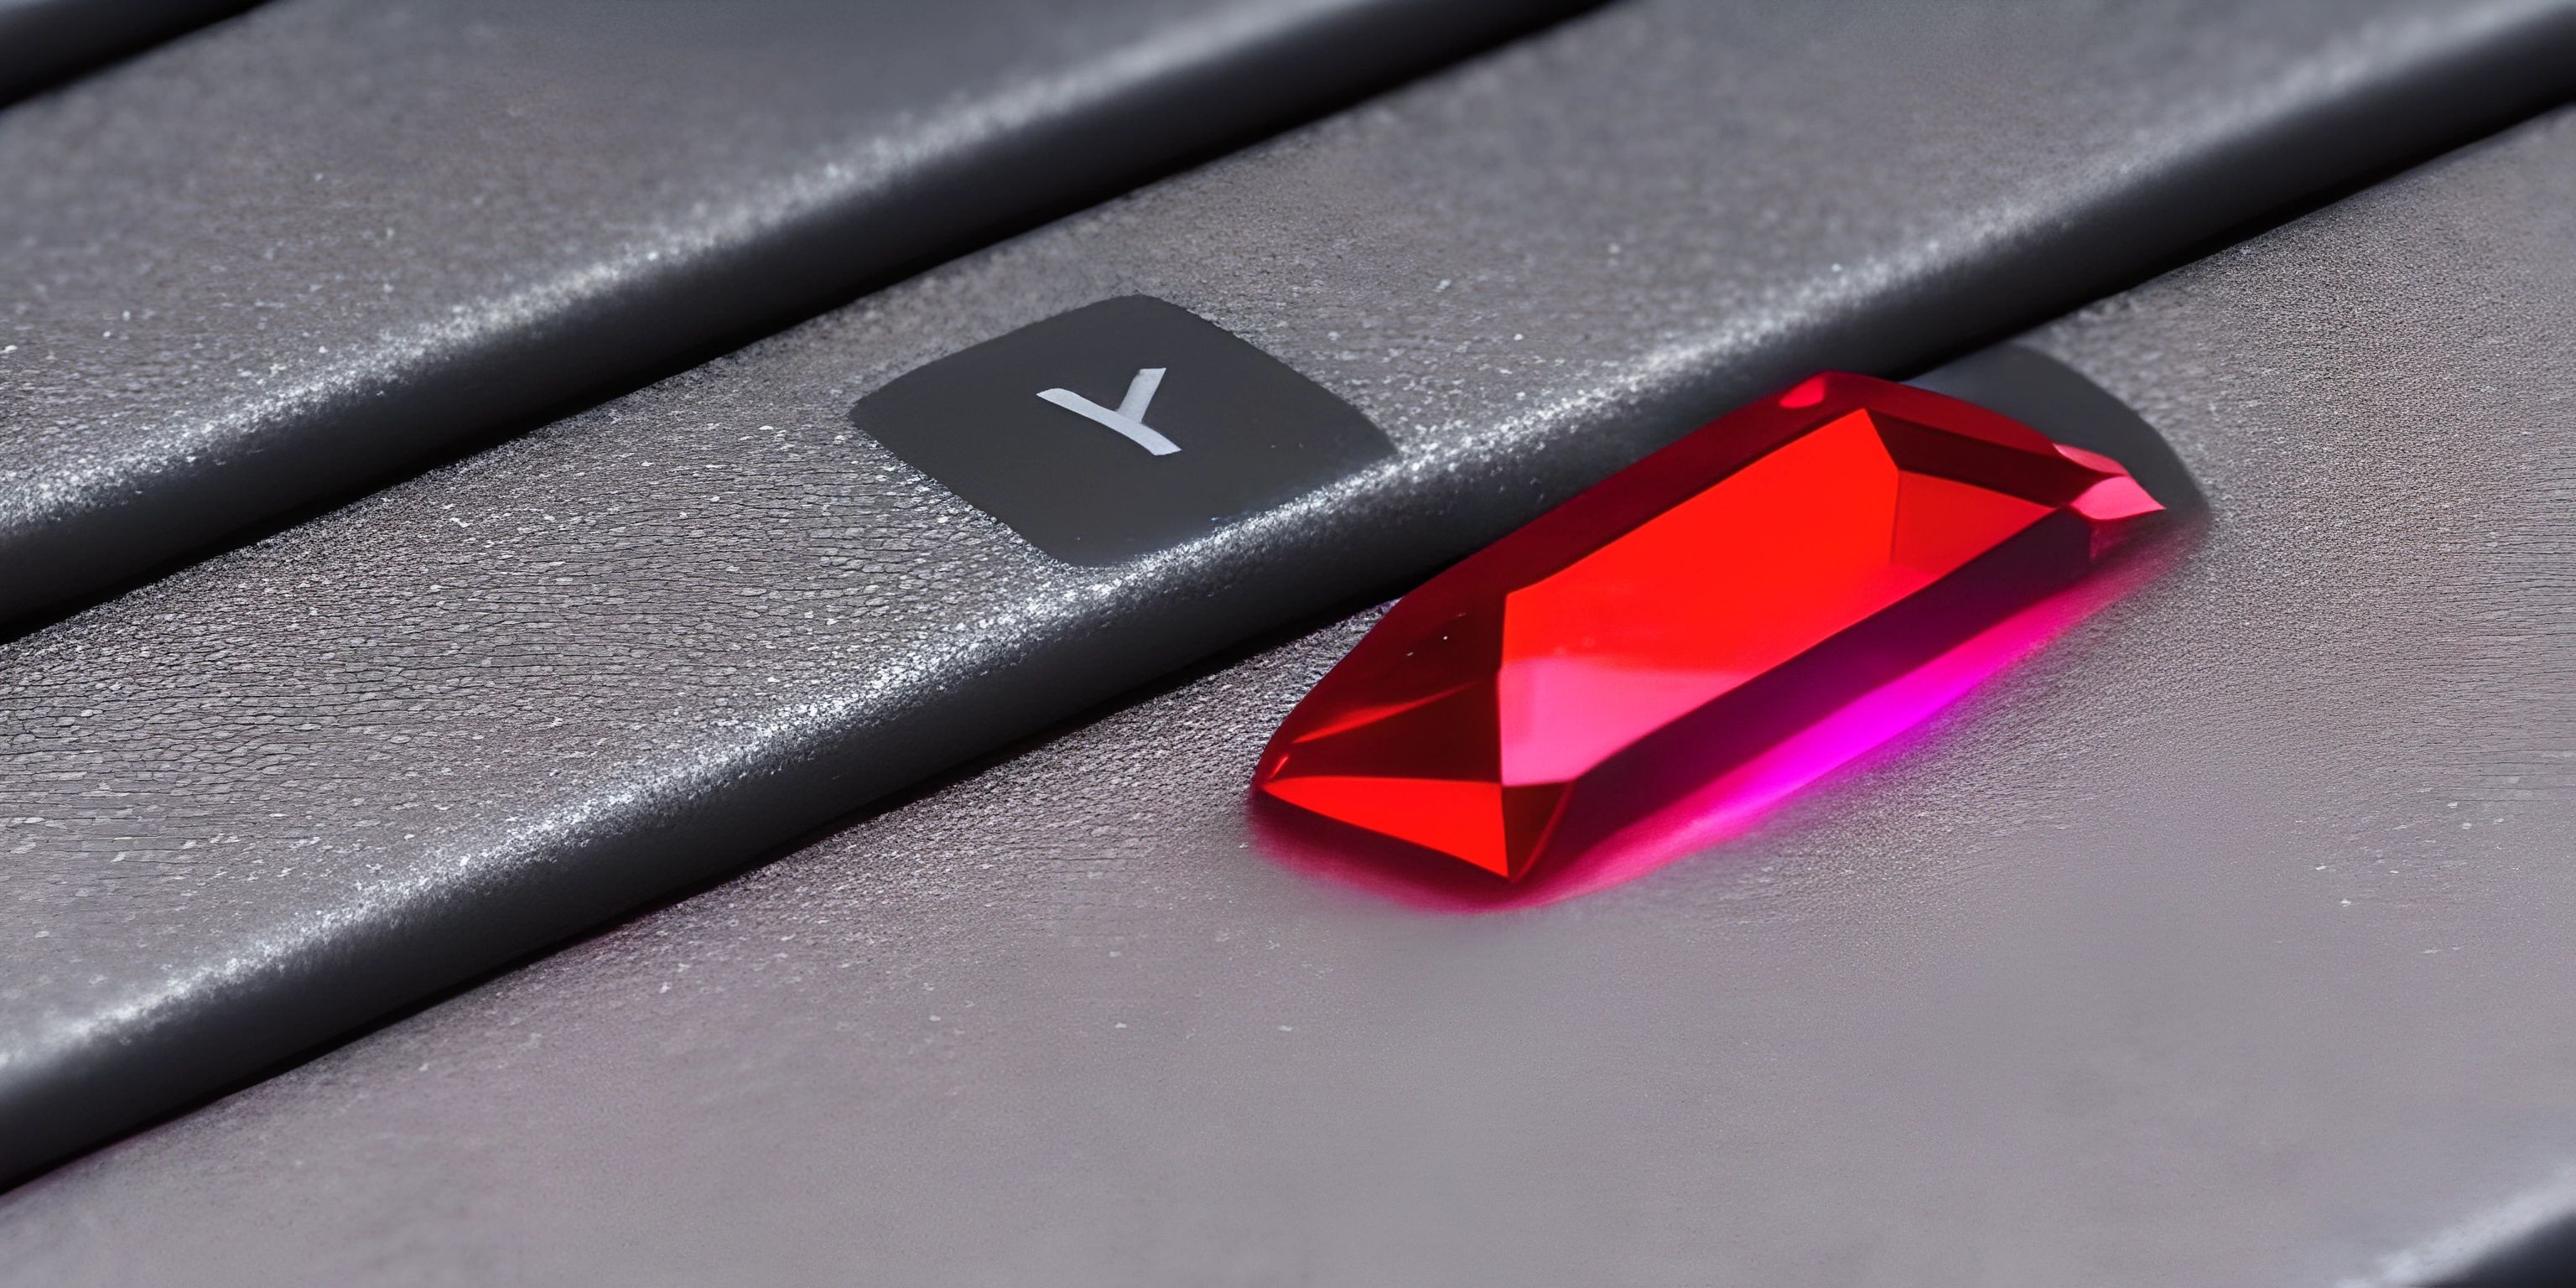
(1086, 479)
(278, 260)
(2223, 941)
(270, 797)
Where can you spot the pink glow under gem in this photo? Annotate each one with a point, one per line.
(1805, 393)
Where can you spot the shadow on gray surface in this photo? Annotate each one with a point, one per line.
(2543, 1260)
(46, 42)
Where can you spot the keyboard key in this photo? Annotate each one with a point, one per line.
(1094, 484)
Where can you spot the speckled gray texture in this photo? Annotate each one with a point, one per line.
(273, 796)
(275, 260)
(2223, 942)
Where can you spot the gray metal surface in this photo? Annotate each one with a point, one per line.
(277, 260)
(2222, 942)
(275, 795)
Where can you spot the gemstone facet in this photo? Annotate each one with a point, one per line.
(1689, 613)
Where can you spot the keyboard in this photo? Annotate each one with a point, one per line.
(571, 708)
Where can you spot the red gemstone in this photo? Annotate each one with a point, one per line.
(1689, 613)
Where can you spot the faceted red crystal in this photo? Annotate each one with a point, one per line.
(1689, 613)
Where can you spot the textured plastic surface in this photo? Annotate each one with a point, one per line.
(276, 794)
(275, 261)
(2224, 942)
